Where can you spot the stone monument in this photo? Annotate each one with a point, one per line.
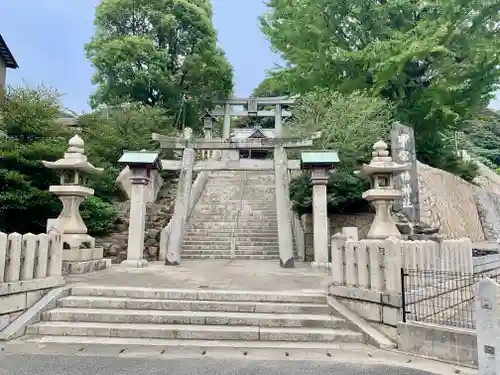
(383, 193)
(80, 254)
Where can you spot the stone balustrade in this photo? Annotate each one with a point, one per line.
(376, 264)
(30, 265)
(366, 274)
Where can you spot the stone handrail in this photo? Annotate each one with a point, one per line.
(30, 257)
(196, 191)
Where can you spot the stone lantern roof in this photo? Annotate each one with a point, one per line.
(382, 162)
(74, 159)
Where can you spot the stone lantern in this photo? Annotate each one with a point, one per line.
(381, 171)
(79, 246)
(320, 163)
(208, 128)
(141, 165)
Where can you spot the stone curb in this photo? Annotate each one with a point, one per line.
(18, 327)
(373, 336)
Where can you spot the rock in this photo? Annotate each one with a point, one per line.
(153, 252)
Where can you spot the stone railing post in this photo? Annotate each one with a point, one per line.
(338, 244)
(285, 235)
(55, 251)
(181, 209)
(487, 327)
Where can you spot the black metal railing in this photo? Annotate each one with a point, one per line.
(439, 297)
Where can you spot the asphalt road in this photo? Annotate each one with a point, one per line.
(26, 364)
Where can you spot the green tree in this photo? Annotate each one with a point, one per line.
(350, 124)
(30, 133)
(482, 137)
(436, 61)
(108, 132)
(156, 51)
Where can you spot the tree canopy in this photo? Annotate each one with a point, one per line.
(159, 53)
(29, 133)
(350, 124)
(436, 61)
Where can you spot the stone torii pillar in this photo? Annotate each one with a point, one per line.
(140, 164)
(320, 163)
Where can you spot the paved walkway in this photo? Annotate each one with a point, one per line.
(213, 274)
(62, 365)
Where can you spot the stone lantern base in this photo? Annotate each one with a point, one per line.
(80, 260)
(84, 260)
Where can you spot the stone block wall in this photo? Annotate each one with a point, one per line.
(30, 266)
(448, 202)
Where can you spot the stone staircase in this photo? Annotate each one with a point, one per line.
(125, 316)
(235, 218)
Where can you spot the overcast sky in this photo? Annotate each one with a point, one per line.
(47, 38)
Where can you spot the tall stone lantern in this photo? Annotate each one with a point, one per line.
(141, 166)
(80, 254)
(320, 163)
(383, 193)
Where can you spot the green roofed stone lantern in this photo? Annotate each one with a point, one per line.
(140, 164)
(320, 163)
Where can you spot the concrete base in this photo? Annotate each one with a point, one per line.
(17, 297)
(83, 255)
(450, 344)
(141, 263)
(85, 266)
(372, 306)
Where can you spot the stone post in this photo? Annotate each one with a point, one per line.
(137, 221)
(227, 122)
(278, 123)
(487, 327)
(181, 208)
(319, 178)
(141, 164)
(285, 236)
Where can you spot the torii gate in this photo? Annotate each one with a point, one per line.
(253, 111)
(186, 199)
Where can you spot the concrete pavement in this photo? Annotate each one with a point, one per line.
(84, 365)
(24, 358)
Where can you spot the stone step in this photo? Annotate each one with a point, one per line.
(196, 238)
(192, 305)
(198, 295)
(239, 241)
(230, 225)
(209, 241)
(239, 232)
(237, 257)
(233, 211)
(193, 332)
(272, 254)
(182, 347)
(206, 247)
(244, 241)
(153, 317)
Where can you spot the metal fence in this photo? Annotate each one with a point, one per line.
(440, 297)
